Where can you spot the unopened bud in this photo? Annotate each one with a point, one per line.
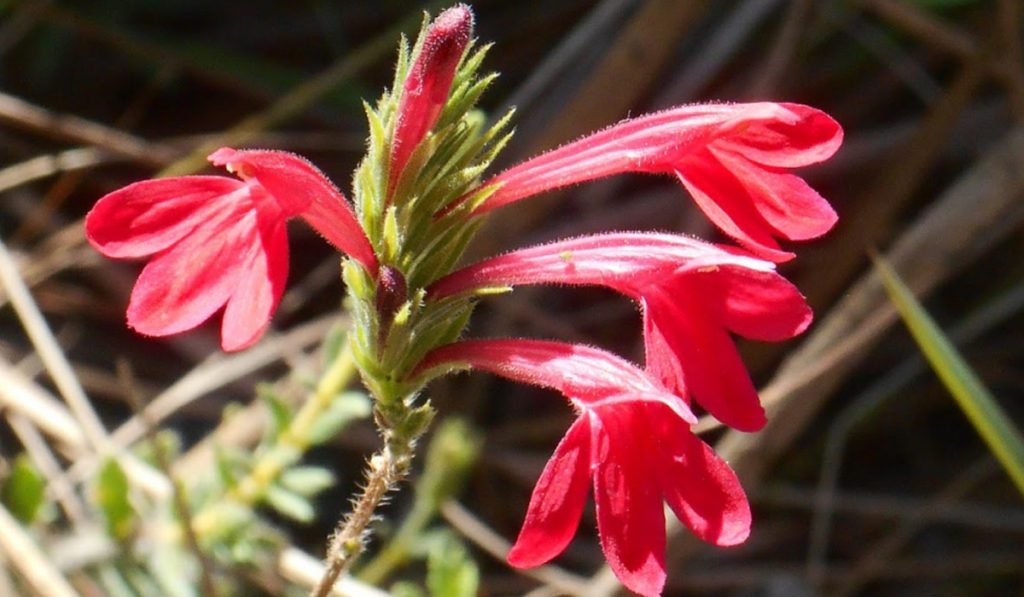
(428, 82)
(391, 292)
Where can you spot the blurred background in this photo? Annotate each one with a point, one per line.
(869, 480)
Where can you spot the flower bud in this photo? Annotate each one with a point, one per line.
(427, 84)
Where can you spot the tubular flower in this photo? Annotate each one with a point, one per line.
(219, 242)
(692, 295)
(631, 441)
(427, 85)
(732, 158)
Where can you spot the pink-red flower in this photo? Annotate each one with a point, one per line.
(693, 294)
(220, 242)
(631, 441)
(731, 157)
(427, 84)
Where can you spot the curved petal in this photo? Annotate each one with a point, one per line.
(710, 365)
(259, 288)
(630, 515)
(808, 137)
(146, 217)
(758, 305)
(557, 501)
(727, 204)
(784, 200)
(184, 286)
(700, 487)
(661, 361)
(299, 188)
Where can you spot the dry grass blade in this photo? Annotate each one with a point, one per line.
(483, 537)
(66, 127)
(50, 351)
(24, 555)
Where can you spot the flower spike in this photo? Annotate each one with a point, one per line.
(692, 295)
(731, 157)
(631, 441)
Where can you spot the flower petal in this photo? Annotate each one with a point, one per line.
(808, 137)
(582, 373)
(630, 515)
(728, 205)
(147, 217)
(701, 488)
(184, 286)
(784, 200)
(557, 501)
(710, 365)
(299, 188)
(624, 261)
(756, 304)
(259, 288)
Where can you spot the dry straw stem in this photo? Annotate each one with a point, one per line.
(65, 126)
(23, 554)
(305, 570)
(60, 371)
(472, 528)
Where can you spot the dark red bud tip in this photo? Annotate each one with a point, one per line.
(391, 292)
(447, 37)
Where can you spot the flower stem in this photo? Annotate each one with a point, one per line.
(384, 472)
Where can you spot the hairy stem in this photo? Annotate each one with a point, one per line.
(385, 470)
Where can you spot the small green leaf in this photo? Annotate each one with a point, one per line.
(280, 413)
(23, 490)
(334, 342)
(978, 404)
(290, 504)
(450, 571)
(111, 492)
(307, 480)
(345, 408)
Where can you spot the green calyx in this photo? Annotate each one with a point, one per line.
(415, 237)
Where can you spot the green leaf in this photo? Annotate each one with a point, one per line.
(111, 492)
(290, 504)
(345, 408)
(307, 480)
(280, 413)
(23, 490)
(974, 399)
(334, 342)
(450, 571)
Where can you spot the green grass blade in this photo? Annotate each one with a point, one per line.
(974, 399)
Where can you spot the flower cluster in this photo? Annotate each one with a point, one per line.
(418, 198)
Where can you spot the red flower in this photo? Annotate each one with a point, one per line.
(427, 85)
(692, 295)
(731, 157)
(218, 241)
(632, 440)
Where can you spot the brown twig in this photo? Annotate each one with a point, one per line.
(66, 127)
